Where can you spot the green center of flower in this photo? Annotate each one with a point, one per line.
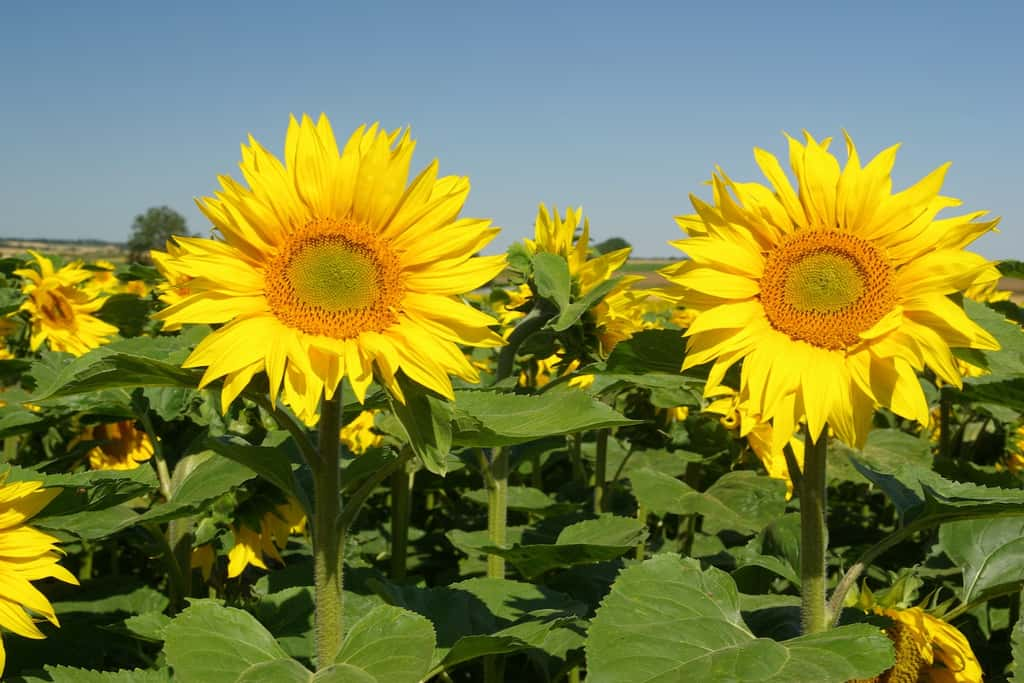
(335, 278)
(825, 282)
(825, 287)
(334, 275)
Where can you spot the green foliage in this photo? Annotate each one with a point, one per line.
(668, 620)
(611, 244)
(152, 229)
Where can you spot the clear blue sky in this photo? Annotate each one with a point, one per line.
(108, 108)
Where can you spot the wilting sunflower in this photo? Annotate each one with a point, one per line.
(121, 446)
(833, 295)
(61, 311)
(339, 267)
(760, 435)
(358, 435)
(25, 555)
(252, 545)
(620, 314)
(927, 649)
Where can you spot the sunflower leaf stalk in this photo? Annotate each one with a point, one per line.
(497, 510)
(328, 535)
(813, 535)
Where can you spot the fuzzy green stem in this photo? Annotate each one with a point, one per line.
(533, 322)
(601, 472)
(328, 536)
(401, 495)
(497, 510)
(813, 535)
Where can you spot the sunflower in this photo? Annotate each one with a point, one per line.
(61, 312)
(358, 435)
(833, 295)
(620, 314)
(252, 545)
(928, 649)
(25, 555)
(120, 445)
(339, 266)
(103, 279)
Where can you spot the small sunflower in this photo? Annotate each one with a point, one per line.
(25, 555)
(103, 280)
(121, 445)
(620, 314)
(833, 295)
(252, 545)
(358, 435)
(339, 266)
(928, 650)
(61, 311)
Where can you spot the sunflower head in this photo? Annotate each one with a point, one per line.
(833, 294)
(121, 446)
(26, 555)
(339, 265)
(60, 310)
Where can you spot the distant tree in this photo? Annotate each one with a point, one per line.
(611, 244)
(152, 229)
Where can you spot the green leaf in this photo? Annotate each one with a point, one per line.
(667, 620)
(741, 500)
(551, 275)
(390, 644)
(275, 461)
(215, 644)
(990, 552)
(657, 351)
(525, 499)
(490, 419)
(113, 595)
(136, 362)
(67, 674)
(1005, 364)
(586, 542)
(210, 479)
(1017, 649)
(574, 311)
(426, 419)
(127, 312)
(279, 671)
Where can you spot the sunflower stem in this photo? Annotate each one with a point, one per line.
(601, 472)
(497, 510)
(401, 494)
(813, 535)
(328, 536)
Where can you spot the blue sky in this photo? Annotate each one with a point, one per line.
(108, 108)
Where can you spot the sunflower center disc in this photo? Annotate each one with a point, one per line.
(825, 287)
(336, 279)
(56, 309)
(334, 275)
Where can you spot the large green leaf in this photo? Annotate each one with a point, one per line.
(208, 480)
(1005, 364)
(136, 362)
(551, 275)
(67, 674)
(741, 500)
(586, 542)
(275, 460)
(426, 419)
(667, 620)
(490, 419)
(390, 644)
(1017, 649)
(923, 496)
(485, 616)
(574, 311)
(990, 552)
(215, 644)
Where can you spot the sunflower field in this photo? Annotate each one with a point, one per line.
(333, 443)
